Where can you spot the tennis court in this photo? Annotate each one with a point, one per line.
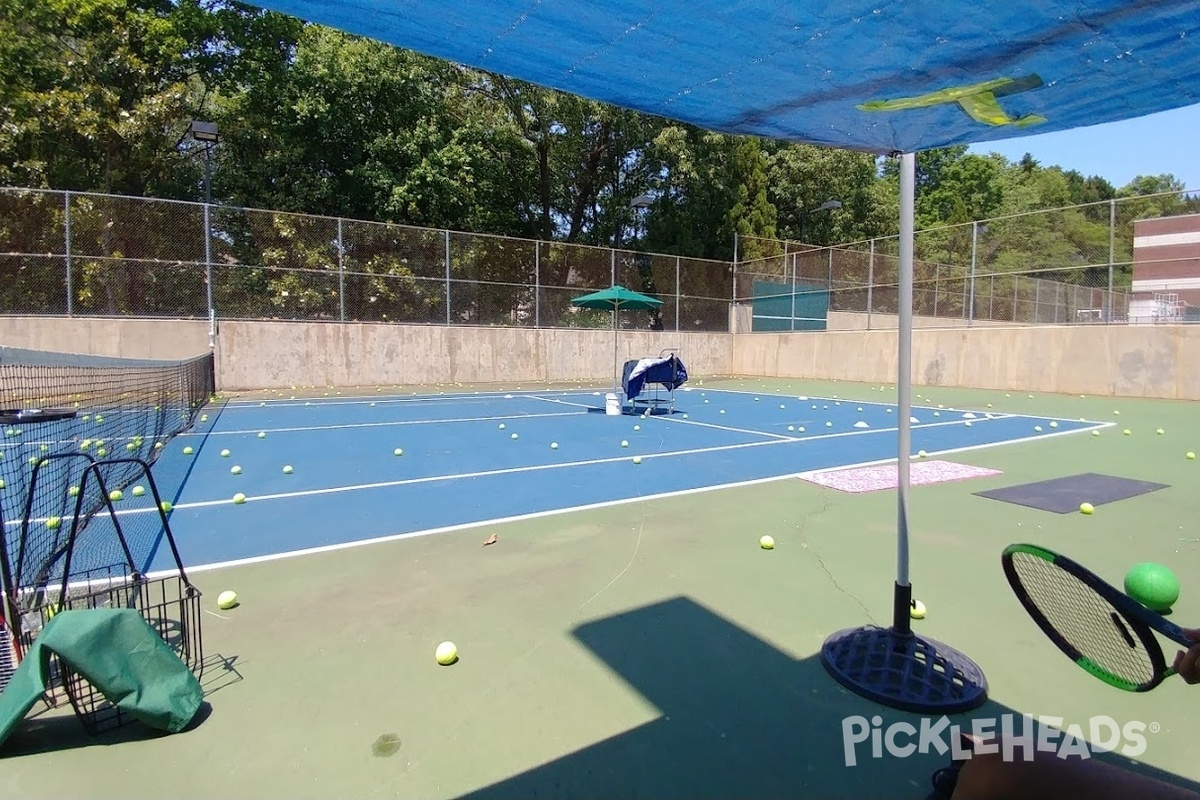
(624, 634)
(475, 458)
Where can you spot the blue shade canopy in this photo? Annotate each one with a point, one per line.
(885, 76)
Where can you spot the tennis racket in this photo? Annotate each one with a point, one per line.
(1103, 630)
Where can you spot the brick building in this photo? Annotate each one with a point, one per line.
(1166, 270)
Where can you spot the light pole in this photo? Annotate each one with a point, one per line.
(206, 132)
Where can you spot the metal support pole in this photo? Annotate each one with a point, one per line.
(612, 266)
(937, 274)
(341, 249)
(678, 294)
(908, 166)
(870, 282)
(208, 277)
(537, 284)
(447, 238)
(67, 248)
(974, 254)
(1112, 257)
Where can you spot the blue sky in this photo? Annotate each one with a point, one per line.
(1118, 151)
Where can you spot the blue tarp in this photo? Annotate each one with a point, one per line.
(876, 76)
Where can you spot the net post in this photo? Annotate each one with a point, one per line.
(67, 252)
(446, 235)
(341, 249)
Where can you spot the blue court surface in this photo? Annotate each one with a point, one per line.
(472, 458)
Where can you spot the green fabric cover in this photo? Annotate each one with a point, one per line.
(118, 652)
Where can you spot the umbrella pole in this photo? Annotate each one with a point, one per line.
(616, 377)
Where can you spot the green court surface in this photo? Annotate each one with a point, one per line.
(650, 649)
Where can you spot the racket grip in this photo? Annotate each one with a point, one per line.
(902, 609)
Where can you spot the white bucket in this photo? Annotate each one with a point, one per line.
(612, 405)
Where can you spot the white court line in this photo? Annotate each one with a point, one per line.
(380, 424)
(687, 422)
(995, 414)
(393, 398)
(329, 548)
(568, 464)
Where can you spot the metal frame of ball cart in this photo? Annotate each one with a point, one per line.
(169, 602)
(894, 666)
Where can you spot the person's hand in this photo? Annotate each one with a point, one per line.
(1187, 663)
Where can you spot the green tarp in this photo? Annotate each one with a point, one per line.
(118, 652)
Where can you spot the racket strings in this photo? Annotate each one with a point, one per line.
(1085, 620)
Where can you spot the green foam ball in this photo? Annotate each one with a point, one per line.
(1152, 585)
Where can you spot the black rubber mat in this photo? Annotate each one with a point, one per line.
(1063, 495)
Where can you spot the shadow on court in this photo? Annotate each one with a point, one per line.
(739, 719)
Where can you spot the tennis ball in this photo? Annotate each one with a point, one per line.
(501, 426)
(73, 491)
(1152, 585)
(235, 470)
(1160, 431)
(115, 495)
(1095, 433)
(1127, 432)
(204, 417)
(916, 609)
(224, 454)
(227, 600)
(722, 411)
(637, 459)
(791, 427)
(131, 447)
(399, 451)
(514, 436)
(262, 434)
(828, 424)
(554, 445)
(102, 452)
(767, 543)
(921, 454)
(637, 427)
(138, 491)
(446, 653)
(187, 451)
(287, 469)
(53, 522)
(239, 498)
(1053, 424)
(1086, 508)
(624, 443)
(166, 506)
(1191, 456)
(1037, 428)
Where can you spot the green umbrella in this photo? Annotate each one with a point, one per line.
(613, 299)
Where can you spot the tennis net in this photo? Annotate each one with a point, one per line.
(114, 409)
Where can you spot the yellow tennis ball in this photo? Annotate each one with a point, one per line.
(262, 434)
(227, 600)
(1086, 508)
(917, 610)
(224, 454)
(287, 469)
(53, 522)
(767, 543)
(166, 506)
(187, 451)
(115, 495)
(239, 498)
(446, 653)
(235, 470)
(1191, 456)
(399, 451)
(637, 459)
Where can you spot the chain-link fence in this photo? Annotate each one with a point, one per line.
(1058, 266)
(88, 254)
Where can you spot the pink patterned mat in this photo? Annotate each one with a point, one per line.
(886, 476)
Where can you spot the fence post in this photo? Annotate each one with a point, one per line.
(974, 250)
(678, 294)
(612, 266)
(992, 298)
(537, 284)
(1112, 256)
(937, 274)
(208, 277)
(870, 282)
(341, 273)
(793, 292)
(447, 236)
(67, 247)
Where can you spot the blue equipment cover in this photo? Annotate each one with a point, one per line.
(868, 75)
(667, 371)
